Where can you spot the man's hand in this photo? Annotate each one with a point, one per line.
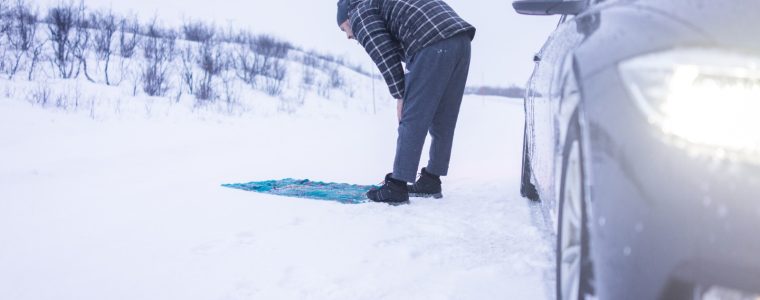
(400, 108)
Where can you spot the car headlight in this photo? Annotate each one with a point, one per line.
(703, 98)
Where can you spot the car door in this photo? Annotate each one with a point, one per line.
(545, 126)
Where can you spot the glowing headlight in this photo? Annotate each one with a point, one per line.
(703, 97)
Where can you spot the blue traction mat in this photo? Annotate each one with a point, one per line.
(304, 188)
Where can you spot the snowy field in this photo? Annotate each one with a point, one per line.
(129, 206)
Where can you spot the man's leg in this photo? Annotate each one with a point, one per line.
(445, 119)
(426, 83)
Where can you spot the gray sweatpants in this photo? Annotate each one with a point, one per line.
(434, 88)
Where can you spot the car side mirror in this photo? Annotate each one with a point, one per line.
(549, 7)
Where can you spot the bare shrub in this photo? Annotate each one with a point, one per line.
(262, 57)
(248, 63)
(311, 60)
(275, 76)
(69, 98)
(270, 46)
(106, 25)
(232, 36)
(268, 53)
(22, 35)
(197, 31)
(129, 37)
(61, 21)
(4, 27)
(231, 95)
(211, 62)
(41, 94)
(35, 55)
(336, 79)
(187, 55)
(159, 52)
(309, 76)
(82, 38)
(68, 36)
(93, 105)
(4, 16)
(324, 89)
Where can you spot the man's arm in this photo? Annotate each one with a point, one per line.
(385, 51)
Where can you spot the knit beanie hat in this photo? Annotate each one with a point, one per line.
(342, 11)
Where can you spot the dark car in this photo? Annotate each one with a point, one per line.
(642, 144)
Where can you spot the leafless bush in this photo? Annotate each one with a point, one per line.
(105, 22)
(302, 92)
(61, 21)
(248, 63)
(93, 105)
(198, 31)
(269, 46)
(336, 79)
(67, 36)
(89, 43)
(263, 57)
(311, 60)
(41, 94)
(155, 30)
(128, 37)
(275, 76)
(4, 11)
(159, 52)
(211, 62)
(309, 76)
(22, 34)
(83, 38)
(70, 98)
(232, 36)
(4, 27)
(324, 89)
(187, 55)
(35, 56)
(231, 94)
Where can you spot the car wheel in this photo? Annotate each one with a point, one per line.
(574, 271)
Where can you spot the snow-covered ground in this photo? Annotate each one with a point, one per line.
(129, 206)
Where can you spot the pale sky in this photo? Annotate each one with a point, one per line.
(502, 50)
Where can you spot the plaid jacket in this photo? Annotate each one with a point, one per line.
(393, 31)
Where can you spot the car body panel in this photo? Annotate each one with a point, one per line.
(543, 99)
(658, 215)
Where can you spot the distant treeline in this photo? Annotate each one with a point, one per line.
(69, 41)
(509, 92)
(210, 63)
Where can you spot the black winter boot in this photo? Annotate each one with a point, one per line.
(427, 186)
(393, 192)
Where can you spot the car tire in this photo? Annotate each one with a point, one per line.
(573, 264)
